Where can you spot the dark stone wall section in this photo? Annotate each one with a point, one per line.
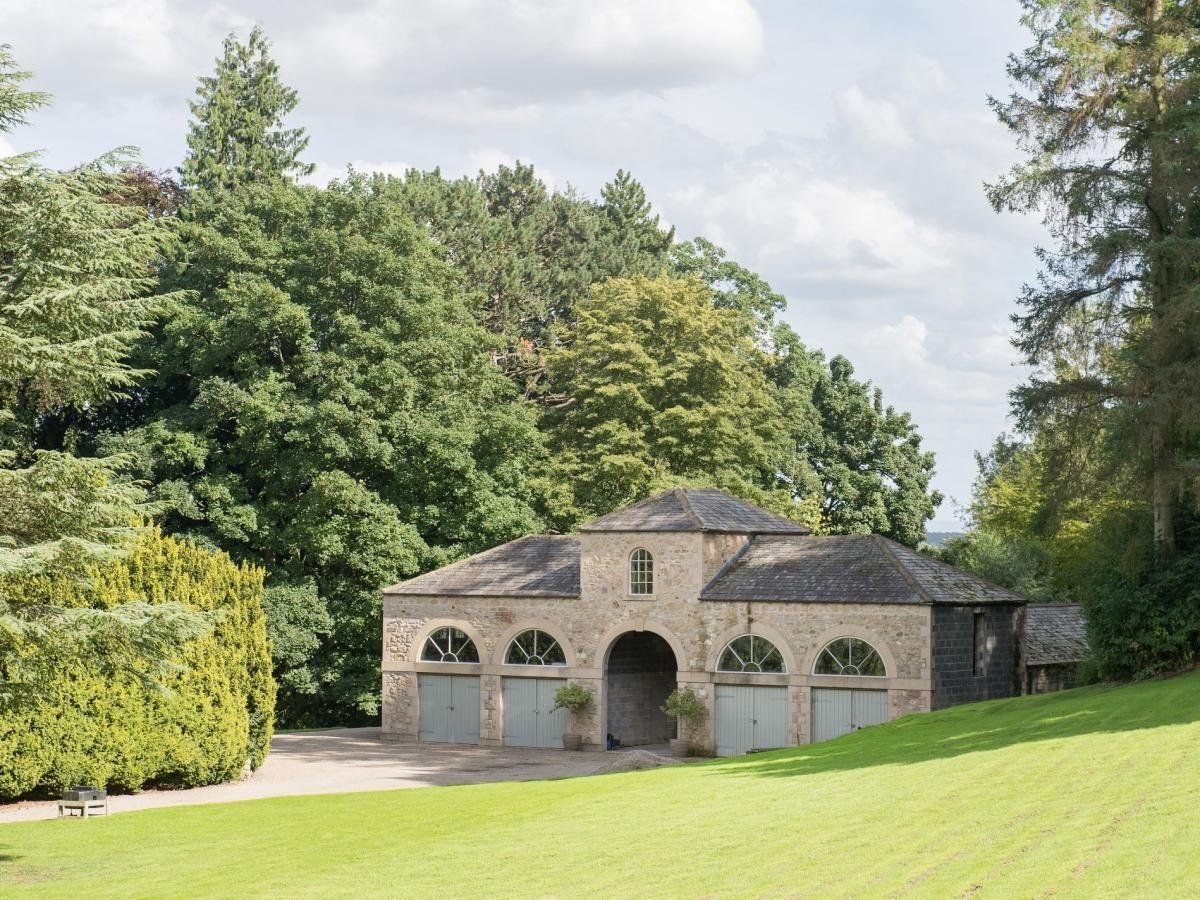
(1051, 677)
(954, 678)
(641, 672)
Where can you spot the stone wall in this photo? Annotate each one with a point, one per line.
(1042, 679)
(955, 676)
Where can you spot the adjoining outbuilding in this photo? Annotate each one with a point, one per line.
(1055, 644)
(786, 637)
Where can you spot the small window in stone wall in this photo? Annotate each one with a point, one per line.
(641, 572)
(979, 641)
(449, 645)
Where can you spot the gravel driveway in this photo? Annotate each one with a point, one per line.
(352, 759)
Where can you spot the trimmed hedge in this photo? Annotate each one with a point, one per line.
(215, 715)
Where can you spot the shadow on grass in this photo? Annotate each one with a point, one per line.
(988, 726)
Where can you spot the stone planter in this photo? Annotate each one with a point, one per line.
(679, 747)
(572, 741)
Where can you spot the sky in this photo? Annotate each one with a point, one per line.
(838, 149)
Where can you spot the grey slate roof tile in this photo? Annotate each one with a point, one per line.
(695, 509)
(847, 568)
(541, 565)
(1055, 633)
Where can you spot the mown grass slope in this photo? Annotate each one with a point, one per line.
(1092, 792)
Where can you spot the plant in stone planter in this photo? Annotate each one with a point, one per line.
(574, 698)
(689, 709)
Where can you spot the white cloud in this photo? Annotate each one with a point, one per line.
(873, 119)
(396, 51)
(790, 218)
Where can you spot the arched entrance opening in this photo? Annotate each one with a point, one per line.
(641, 670)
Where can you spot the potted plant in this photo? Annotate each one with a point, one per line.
(573, 698)
(685, 706)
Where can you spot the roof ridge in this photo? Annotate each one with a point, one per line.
(682, 496)
(883, 544)
(729, 563)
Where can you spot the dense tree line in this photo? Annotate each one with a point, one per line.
(1097, 502)
(352, 384)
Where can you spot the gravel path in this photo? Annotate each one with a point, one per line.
(352, 759)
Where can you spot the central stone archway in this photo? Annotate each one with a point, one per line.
(639, 673)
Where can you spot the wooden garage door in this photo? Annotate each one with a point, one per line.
(449, 708)
(529, 720)
(838, 711)
(750, 717)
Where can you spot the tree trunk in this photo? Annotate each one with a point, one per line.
(1164, 511)
(1161, 279)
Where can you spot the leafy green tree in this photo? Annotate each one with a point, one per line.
(76, 289)
(236, 136)
(868, 457)
(526, 255)
(326, 407)
(1106, 110)
(661, 386)
(732, 285)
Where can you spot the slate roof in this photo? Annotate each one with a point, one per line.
(1055, 633)
(695, 509)
(845, 569)
(541, 565)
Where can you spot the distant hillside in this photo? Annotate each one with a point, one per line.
(937, 538)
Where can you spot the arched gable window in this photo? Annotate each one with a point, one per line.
(850, 656)
(449, 645)
(751, 653)
(641, 572)
(534, 648)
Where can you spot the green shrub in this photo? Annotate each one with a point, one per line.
(201, 726)
(685, 705)
(571, 697)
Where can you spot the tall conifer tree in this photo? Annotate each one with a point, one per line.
(237, 136)
(1108, 112)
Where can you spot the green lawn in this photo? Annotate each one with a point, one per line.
(1093, 792)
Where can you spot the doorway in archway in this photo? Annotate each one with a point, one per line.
(640, 672)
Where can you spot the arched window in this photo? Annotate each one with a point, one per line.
(850, 656)
(535, 648)
(449, 645)
(751, 653)
(641, 572)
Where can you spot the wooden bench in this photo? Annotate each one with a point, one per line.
(69, 807)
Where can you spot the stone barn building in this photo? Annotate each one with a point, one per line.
(785, 637)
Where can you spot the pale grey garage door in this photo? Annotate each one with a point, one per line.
(449, 708)
(528, 718)
(750, 717)
(838, 711)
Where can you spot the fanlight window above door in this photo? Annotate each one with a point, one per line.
(449, 645)
(850, 656)
(751, 653)
(535, 648)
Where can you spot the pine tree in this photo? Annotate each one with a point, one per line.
(1108, 114)
(237, 135)
(640, 245)
(76, 288)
